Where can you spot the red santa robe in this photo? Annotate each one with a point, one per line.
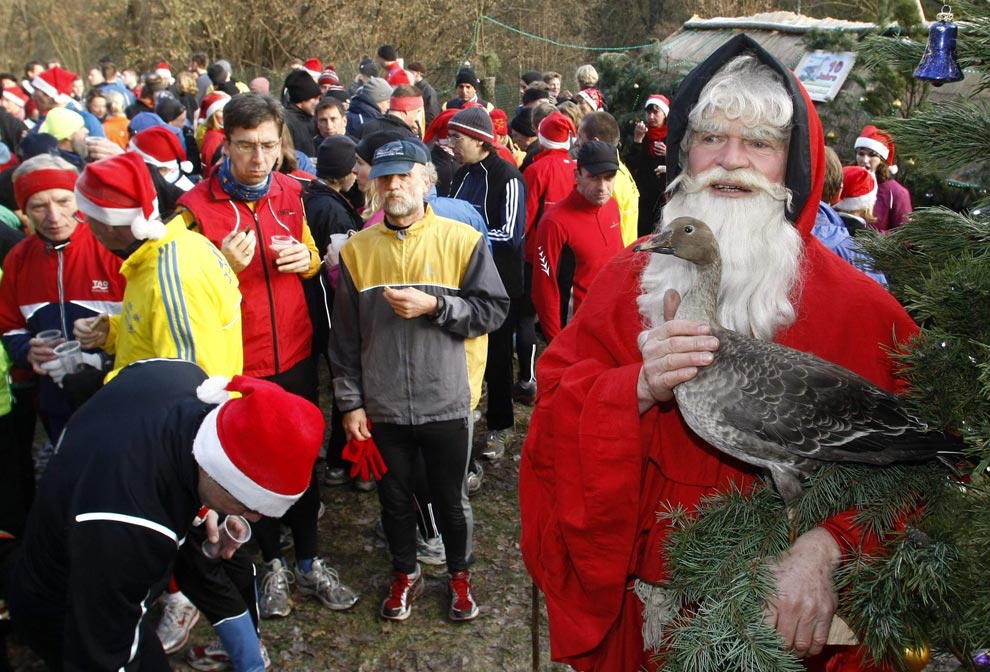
(594, 472)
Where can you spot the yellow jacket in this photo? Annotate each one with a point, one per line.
(181, 302)
(627, 196)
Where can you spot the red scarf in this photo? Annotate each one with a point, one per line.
(655, 136)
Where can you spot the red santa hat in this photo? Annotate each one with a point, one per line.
(313, 67)
(211, 104)
(880, 143)
(163, 71)
(556, 131)
(118, 191)
(15, 95)
(56, 83)
(660, 101)
(160, 147)
(594, 98)
(859, 190)
(437, 130)
(261, 446)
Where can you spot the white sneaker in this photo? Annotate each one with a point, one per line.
(324, 585)
(213, 657)
(273, 599)
(178, 618)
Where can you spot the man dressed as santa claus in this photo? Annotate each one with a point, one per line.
(607, 447)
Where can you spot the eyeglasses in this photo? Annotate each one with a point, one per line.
(245, 147)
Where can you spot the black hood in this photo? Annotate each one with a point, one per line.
(805, 156)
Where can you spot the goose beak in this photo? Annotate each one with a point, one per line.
(659, 243)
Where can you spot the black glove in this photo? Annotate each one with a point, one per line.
(82, 384)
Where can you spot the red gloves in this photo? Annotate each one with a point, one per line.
(366, 461)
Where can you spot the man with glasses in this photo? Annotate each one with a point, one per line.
(255, 216)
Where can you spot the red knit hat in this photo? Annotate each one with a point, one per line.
(118, 191)
(556, 131)
(880, 143)
(261, 446)
(160, 147)
(594, 98)
(55, 82)
(859, 190)
(313, 67)
(14, 94)
(500, 121)
(328, 77)
(660, 101)
(211, 103)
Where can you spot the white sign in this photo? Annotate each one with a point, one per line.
(824, 72)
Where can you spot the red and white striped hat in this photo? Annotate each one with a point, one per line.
(55, 82)
(265, 464)
(660, 101)
(118, 191)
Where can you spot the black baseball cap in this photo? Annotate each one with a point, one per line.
(598, 157)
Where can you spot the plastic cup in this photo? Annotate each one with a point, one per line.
(279, 243)
(51, 337)
(234, 532)
(70, 354)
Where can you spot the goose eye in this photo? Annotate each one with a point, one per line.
(689, 229)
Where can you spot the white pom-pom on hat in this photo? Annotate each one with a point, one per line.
(213, 390)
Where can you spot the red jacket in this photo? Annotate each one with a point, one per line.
(276, 327)
(591, 235)
(49, 286)
(549, 179)
(594, 472)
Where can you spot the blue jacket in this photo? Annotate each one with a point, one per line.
(458, 210)
(361, 111)
(830, 230)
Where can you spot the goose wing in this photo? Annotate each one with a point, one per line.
(815, 409)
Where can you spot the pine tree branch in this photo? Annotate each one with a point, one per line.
(936, 137)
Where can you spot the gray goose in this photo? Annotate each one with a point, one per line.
(775, 407)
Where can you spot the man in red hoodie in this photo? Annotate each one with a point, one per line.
(607, 447)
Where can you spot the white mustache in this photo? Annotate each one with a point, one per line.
(749, 179)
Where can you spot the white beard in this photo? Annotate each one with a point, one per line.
(761, 255)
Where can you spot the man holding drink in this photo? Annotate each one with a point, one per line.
(111, 514)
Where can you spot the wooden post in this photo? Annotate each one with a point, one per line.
(534, 627)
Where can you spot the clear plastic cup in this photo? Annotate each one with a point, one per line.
(234, 532)
(70, 354)
(51, 337)
(279, 243)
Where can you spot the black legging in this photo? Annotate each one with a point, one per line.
(302, 517)
(444, 449)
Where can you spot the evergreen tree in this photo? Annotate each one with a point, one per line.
(930, 585)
